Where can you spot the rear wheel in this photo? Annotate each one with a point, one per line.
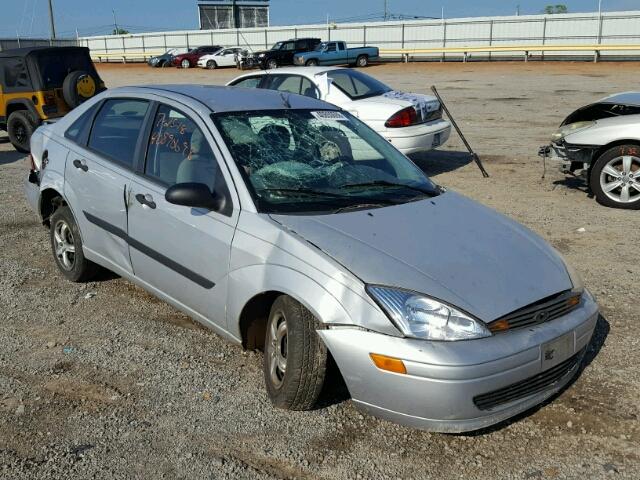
(20, 127)
(615, 177)
(272, 64)
(66, 245)
(185, 63)
(362, 61)
(212, 65)
(295, 358)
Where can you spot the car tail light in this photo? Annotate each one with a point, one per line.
(403, 118)
(31, 162)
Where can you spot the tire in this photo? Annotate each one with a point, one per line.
(162, 64)
(312, 63)
(20, 127)
(185, 64)
(362, 61)
(65, 236)
(272, 64)
(304, 354)
(615, 177)
(212, 65)
(72, 88)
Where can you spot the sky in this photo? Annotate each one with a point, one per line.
(29, 18)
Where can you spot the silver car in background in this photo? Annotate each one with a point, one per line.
(286, 224)
(602, 141)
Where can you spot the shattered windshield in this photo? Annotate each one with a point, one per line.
(298, 161)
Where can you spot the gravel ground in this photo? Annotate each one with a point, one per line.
(101, 380)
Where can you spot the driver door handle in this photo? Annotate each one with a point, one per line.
(146, 200)
(81, 164)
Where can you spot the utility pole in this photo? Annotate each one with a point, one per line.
(51, 23)
(386, 11)
(115, 24)
(517, 10)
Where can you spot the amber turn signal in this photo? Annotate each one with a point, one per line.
(573, 301)
(389, 364)
(499, 326)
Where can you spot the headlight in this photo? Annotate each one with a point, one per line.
(260, 55)
(571, 128)
(419, 316)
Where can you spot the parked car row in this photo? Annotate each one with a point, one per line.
(296, 51)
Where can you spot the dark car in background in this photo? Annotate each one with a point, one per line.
(165, 60)
(190, 59)
(280, 54)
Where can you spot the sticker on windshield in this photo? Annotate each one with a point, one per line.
(330, 115)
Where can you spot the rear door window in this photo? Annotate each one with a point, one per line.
(116, 129)
(78, 129)
(249, 82)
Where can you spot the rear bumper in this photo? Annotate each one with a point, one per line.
(32, 192)
(419, 138)
(443, 378)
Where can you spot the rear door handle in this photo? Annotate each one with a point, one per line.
(145, 200)
(81, 164)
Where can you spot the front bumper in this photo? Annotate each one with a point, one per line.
(437, 392)
(419, 138)
(569, 157)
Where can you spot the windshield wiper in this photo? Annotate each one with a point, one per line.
(384, 183)
(304, 191)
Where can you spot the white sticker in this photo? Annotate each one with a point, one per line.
(330, 115)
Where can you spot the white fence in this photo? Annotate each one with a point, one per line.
(579, 29)
(11, 43)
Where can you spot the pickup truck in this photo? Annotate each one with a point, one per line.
(336, 53)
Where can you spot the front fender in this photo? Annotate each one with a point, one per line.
(331, 303)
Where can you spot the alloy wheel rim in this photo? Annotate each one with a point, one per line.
(620, 179)
(185, 64)
(277, 349)
(65, 249)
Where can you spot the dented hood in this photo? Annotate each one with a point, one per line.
(448, 247)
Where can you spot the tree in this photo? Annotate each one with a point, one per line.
(553, 9)
(120, 31)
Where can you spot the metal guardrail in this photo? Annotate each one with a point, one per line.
(526, 50)
(124, 56)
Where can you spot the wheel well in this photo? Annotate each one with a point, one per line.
(598, 152)
(14, 107)
(253, 319)
(50, 200)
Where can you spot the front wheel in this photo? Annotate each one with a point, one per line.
(20, 127)
(185, 63)
(272, 64)
(295, 358)
(66, 245)
(362, 61)
(211, 65)
(312, 63)
(615, 177)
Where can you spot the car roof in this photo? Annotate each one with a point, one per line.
(304, 71)
(233, 99)
(24, 51)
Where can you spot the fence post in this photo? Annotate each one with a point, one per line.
(144, 48)
(165, 41)
(106, 48)
(188, 47)
(544, 34)
(266, 43)
(364, 35)
(403, 36)
(490, 37)
(444, 38)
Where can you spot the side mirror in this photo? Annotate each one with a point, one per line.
(195, 195)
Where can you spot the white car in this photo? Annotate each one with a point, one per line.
(225, 57)
(412, 122)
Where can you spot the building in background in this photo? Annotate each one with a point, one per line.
(220, 14)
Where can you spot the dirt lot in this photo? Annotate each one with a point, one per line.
(102, 380)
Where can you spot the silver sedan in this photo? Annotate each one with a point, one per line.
(601, 141)
(286, 224)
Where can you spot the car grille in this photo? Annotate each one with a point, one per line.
(540, 312)
(529, 386)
